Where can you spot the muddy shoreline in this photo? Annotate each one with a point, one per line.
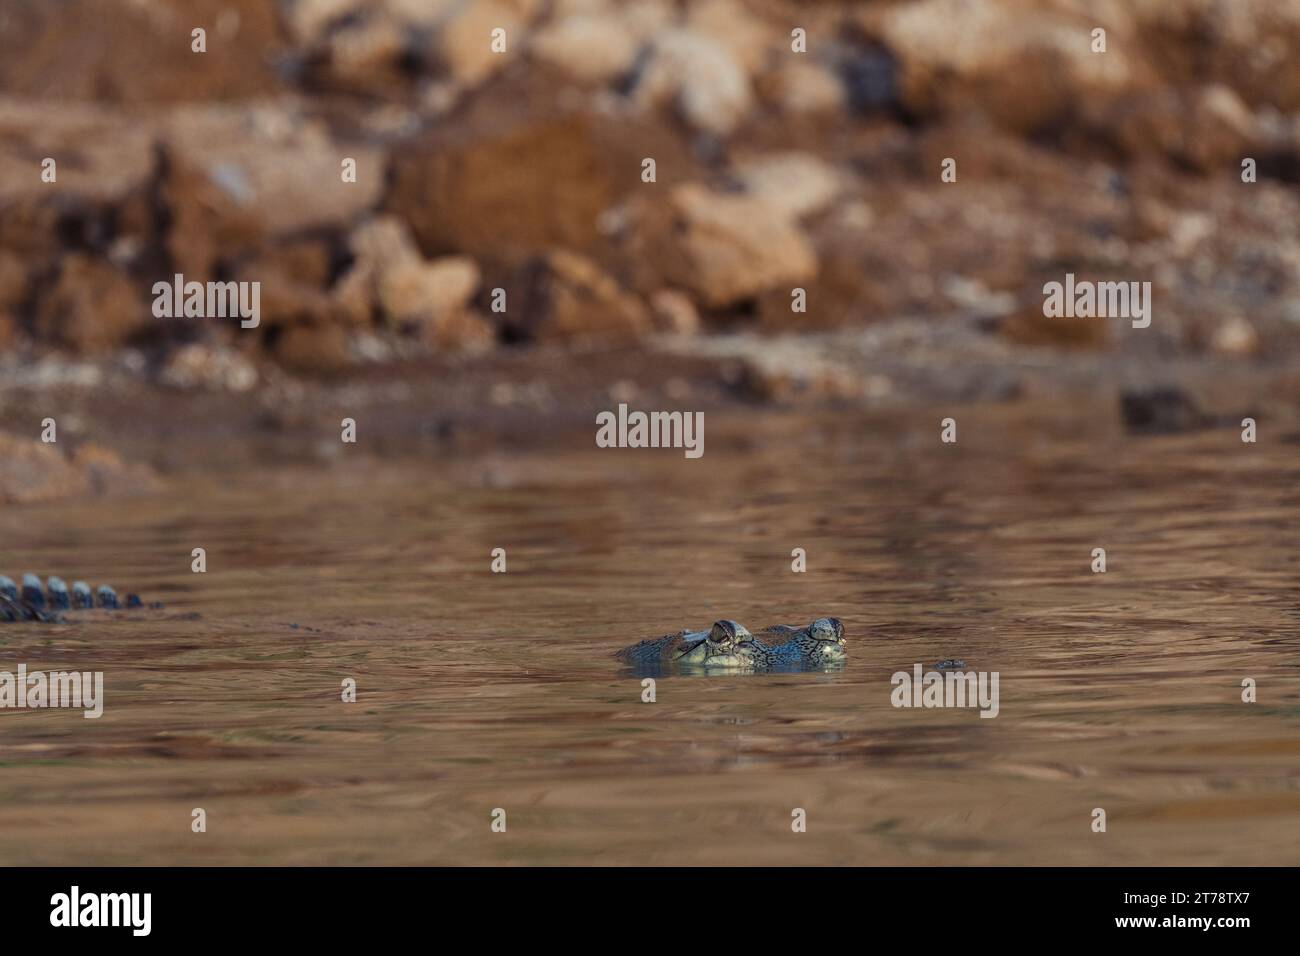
(525, 401)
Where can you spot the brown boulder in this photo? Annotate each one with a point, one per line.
(427, 293)
(1028, 326)
(463, 42)
(700, 77)
(13, 281)
(241, 179)
(1024, 66)
(843, 293)
(462, 331)
(1207, 129)
(569, 298)
(104, 166)
(313, 349)
(725, 248)
(31, 472)
(506, 196)
(588, 47)
(92, 307)
(208, 366)
(129, 52)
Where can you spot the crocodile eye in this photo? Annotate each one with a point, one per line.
(723, 633)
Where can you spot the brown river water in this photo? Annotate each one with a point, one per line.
(479, 691)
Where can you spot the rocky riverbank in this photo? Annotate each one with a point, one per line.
(510, 213)
(500, 194)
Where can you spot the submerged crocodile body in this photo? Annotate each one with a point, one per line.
(729, 646)
(37, 602)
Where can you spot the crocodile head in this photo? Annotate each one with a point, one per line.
(825, 642)
(819, 645)
(717, 648)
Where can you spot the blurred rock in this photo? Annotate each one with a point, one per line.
(238, 178)
(212, 367)
(107, 474)
(308, 21)
(305, 260)
(105, 167)
(568, 298)
(870, 75)
(382, 242)
(355, 297)
(801, 87)
(1208, 129)
(674, 313)
(378, 245)
(33, 472)
(463, 43)
(775, 169)
(507, 196)
(590, 48)
(365, 54)
(92, 307)
(284, 299)
(460, 331)
(724, 248)
(313, 349)
(1025, 67)
(799, 184)
(743, 29)
(1028, 326)
(699, 77)
(1235, 336)
(428, 293)
(1250, 47)
(1160, 410)
(844, 292)
(130, 52)
(13, 281)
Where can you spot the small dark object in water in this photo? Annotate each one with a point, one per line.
(1160, 410)
(1167, 410)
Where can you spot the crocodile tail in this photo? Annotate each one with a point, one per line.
(82, 596)
(57, 592)
(16, 609)
(33, 593)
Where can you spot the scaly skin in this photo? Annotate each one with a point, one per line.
(819, 646)
(728, 646)
(685, 648)
(43, 603)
